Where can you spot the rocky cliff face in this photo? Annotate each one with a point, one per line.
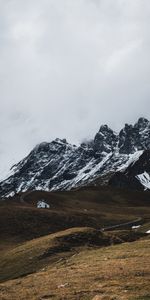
(61, 166)
(134, 138)
(136, 175)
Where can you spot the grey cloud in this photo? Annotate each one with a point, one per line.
(67, 66)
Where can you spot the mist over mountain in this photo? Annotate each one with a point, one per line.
(67, 66)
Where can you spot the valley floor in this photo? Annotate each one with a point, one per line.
(62, 253)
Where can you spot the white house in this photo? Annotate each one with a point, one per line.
(42, 204)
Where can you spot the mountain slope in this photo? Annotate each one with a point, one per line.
(61, 166)
(136, 175)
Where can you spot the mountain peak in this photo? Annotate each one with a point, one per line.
(143, 120)
(142, 123)
(104, 128)
(62, 141)
(105, 140)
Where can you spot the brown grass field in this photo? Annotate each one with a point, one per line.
(61, 252)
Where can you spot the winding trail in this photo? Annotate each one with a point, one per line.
(130, 223)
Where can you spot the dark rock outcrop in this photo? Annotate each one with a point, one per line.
(136, 176)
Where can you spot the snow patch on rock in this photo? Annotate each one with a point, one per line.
(132, 158)
(144, 179)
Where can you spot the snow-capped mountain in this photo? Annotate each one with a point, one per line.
(62, 166)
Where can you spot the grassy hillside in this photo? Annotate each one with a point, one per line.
(30, 256)
(120, 272)
(62, 252)
(88, 207)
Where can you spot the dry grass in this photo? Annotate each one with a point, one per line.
(88, 207)
(31, 256)
(118, 272)
(74, 264)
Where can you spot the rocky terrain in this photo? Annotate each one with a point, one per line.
(136, 175)
(59, 165)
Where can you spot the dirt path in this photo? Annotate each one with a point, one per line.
(131, 223)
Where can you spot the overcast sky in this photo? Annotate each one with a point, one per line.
(68, 66)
